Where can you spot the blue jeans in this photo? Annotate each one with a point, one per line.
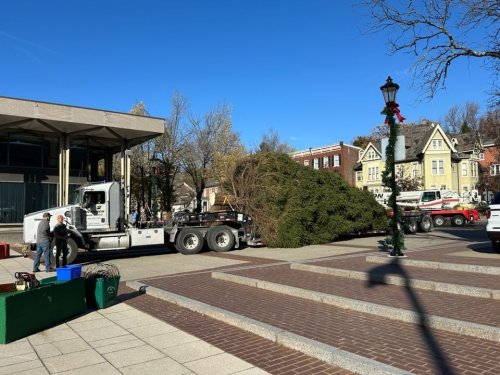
(45, 250)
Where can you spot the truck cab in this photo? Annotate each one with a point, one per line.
(97, 208)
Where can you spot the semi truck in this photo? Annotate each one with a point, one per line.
(97, 221)
(440, 205)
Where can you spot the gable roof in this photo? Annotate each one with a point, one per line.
(373, 144)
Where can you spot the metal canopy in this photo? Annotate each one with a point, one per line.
(103, 129)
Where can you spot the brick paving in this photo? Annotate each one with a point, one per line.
(260, 352)
(410, 347)
(471, 309)
(453, 277)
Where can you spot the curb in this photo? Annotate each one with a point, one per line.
(487, 270)
(445, 324)
(324, 352)
(401, 281)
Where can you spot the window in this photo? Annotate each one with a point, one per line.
(371, 155)
(414, 170)
(473, 169)
(316, 163)
(428, 196)
(481, 156)
(464, 169)
(336, 160)
(359, 176)
(373, 174)
(437, 167)
(400, 171)
(306, 162)
(437, 144)
(465, 189)
(326, 160)
(495, 169)
(443, 187)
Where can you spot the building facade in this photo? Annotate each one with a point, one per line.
(340, 158)
(427, 155)
(47, 150)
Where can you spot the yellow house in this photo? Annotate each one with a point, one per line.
(427, 155)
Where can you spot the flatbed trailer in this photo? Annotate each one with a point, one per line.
(457, 217)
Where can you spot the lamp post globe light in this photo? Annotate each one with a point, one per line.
(389, 91)
(154, 183)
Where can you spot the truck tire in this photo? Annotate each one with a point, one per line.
(458, 220)
(438, 220)
(72, 252)
(220, 239)
(189, 241)
(411, 227)
(425, 224)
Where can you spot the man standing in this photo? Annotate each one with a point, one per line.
(43, 237)
(61, 235)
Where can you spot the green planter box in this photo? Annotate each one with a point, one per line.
(101, 292)
(23, 313)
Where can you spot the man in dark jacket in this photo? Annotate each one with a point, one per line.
(61, 235)
(43, 238)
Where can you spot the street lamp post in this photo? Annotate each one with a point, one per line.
(154, 183)
(389, 91)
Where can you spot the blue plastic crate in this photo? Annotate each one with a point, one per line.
(69, 272)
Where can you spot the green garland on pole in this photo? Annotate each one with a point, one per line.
(389, 180)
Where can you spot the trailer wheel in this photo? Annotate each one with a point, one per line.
(458, 220)
(425, 224)
(438, 221)
(189, 241)
(411, 227)
(72, 252)
(220, 239)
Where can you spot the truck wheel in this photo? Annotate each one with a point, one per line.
(72, 252)
(189, 241)
(438, 221)
(425, 224)
(458, 220)
(220, 239)
(411, 227)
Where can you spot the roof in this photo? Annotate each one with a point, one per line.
(416, 137)
(105, 129)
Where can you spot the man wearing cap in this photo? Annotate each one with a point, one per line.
(43, 238)
(61, 235)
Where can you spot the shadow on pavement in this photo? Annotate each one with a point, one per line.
(90, 257)
(395, 268)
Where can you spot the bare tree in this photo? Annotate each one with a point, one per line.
(169, 149)
(462, 119)
(271, 143)
(211, 138)
(439, 32)
(139, 162)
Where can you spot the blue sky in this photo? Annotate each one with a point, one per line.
(306, 68)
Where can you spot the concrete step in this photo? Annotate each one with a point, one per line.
(313, 348)
(402, 281)
(416, 348)
(472, 268)
(437, 322)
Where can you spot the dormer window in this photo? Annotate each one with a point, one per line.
(371, 155)
(437, 144)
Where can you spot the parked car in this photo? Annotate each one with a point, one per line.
(493, 226)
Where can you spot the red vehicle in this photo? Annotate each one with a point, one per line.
(456, 217)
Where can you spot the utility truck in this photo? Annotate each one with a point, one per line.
(97, 221)
(439, 204)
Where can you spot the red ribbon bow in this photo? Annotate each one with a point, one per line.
(395, 110)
